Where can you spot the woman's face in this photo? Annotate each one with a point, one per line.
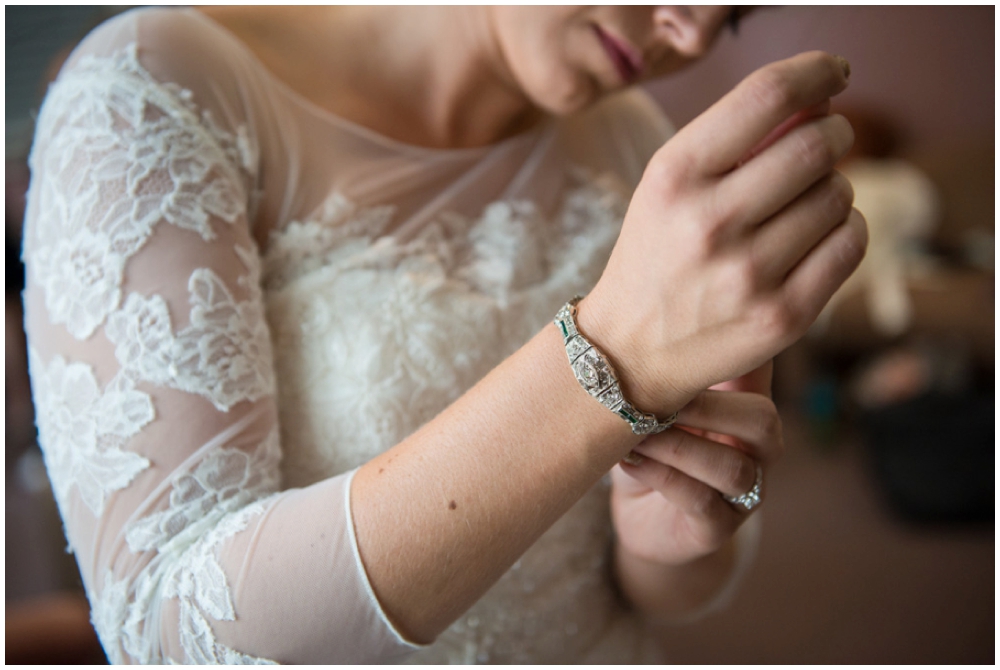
(564, 58)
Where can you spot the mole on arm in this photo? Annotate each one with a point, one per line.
(452, 505)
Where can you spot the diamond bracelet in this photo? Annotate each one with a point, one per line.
(597, 377)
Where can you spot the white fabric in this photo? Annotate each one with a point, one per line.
(165, 347)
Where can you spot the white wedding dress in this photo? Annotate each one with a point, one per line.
(233, 293)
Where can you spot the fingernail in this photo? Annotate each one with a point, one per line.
(845, 66)
(633, 458)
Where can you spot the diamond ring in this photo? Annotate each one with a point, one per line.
(751, 498)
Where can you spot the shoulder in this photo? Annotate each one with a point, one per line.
(618, 134)
(171, 41)
(177, 48)
(190, 70)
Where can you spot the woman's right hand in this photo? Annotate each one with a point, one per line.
(725, 260)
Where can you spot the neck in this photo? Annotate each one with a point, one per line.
(432, 76)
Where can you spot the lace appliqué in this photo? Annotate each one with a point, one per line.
(337, 229)
(121, 614)
(118, 152)
(206, 507)
(414, 324)
(199, 584)
(224, 354)
(224, 481)
(108, 613)
(83, 430)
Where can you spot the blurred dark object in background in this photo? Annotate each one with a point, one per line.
(933, 456)
(911, 334)
(926, 416)
(52, 629)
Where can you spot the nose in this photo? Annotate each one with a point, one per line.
(688, 33)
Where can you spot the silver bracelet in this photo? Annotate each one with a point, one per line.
(597, 377)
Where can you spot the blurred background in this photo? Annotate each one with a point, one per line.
(879, 531)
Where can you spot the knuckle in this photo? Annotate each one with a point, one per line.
(739, 276)
(712, 235)
(704, 501)
(770, 419)
(667, 170)
(702, 246)
(854, 244)
(778, 320)
(717, 212)
(813, 147)
(740, 472)
(841, 194)
(750, 270)
(665, 477)
(771, 88)
(770, 428)
(842, 131)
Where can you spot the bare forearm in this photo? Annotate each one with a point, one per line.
(686, 301)
(440, 517)
(666, 593)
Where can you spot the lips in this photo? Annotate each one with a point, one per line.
(627, 61)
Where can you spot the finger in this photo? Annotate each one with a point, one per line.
(812, 283)
(718, 466)
(686, 493)
(717, 140)
(786, 238)
(788, 168)
(751, 418)
(796, 119)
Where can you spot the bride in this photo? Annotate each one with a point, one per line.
(310, 384)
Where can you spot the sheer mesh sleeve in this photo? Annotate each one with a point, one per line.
(152, 372)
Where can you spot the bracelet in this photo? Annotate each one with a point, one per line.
(597, 377)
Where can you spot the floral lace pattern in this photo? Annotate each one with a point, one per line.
(338, 229)
(205, 507)
(200, 586)
(225, 352)
(226, 480)
(108, 612)
(83, 430)
(121, 612)
(110, 128)
(118, 154)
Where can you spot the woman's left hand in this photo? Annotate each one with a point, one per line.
(669, 509)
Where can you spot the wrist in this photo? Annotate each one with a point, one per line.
(644, 380)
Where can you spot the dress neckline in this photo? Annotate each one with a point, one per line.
(432, 153)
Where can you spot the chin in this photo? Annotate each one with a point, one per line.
(566, 98)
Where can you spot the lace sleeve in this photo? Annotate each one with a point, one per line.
(153, 384)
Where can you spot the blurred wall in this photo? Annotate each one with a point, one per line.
(930, 68)
(34, 36)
